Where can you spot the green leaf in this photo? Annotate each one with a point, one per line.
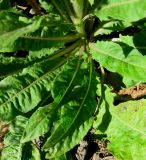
(18, 27)
(39, 123)
(13, 147)
(12, 65)
(129, 130)
(75, 114)
(45, 52)
(91, 2)
(5, 4)
(46, 5)
(46, 114)
(21, 33)
(107, 27)
(26, 90)
(30, 152)
(35, 154)
(124, 125)
(124, 60)
(129, 126)
(126, 10)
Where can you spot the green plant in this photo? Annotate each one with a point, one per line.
(49, 96)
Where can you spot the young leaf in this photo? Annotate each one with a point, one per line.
(12, 146)
(75, 115)
(126, 10)
(129, 63)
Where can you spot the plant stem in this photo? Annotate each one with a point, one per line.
(66, 38)
(69, 10)
(78, 6)
(59, 10)
(65, 51)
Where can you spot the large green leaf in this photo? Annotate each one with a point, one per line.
(124, 125)
(123, 59)
(129, 125)
(47, 113)
(26, 90)
(126, 10)
(75, 114)
(12, 146)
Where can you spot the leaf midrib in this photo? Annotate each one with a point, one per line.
(83, 101)
(74, 75)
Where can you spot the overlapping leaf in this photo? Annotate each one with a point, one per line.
(126, 10)
(75, 114)
(26, 90)
(21, 33)
(126, 61)
(45, 115)
(19, 26)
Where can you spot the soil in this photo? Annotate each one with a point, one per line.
(3, 130)
(92, 148)
(96, 150)
(135, 92)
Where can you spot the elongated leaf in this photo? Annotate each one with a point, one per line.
(129, 63)
(75, 115)
(125, 10)
(25, 91)
(46, 114)
(12, 146)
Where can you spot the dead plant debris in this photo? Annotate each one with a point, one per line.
(135, 92)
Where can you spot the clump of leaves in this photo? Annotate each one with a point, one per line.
(50, 96)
